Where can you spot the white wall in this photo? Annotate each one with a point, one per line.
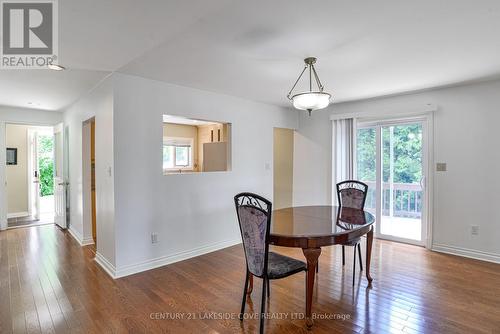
(99, 104)
(22, 116)
(465, 137)
(192, 213)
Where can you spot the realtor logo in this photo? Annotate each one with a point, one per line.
(29, 34)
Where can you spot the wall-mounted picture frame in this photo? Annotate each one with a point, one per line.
(11, 156)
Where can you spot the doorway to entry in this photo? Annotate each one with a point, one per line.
(391, 157)
(30, 175)
(283, 147)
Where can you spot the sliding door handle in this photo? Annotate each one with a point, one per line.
(422, 182)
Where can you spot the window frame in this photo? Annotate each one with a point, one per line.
(170, 141)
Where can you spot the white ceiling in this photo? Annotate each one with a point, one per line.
(254, 49)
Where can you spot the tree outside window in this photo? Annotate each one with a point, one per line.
(46, 164)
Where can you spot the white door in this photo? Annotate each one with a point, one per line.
(391, 159)
(59, 177)
(34, 196)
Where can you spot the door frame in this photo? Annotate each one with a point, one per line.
(427, 121)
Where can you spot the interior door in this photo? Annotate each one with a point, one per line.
(391, 159)
(34, 196)
(60, 182)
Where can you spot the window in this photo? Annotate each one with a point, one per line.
(177, 153)
(195, 146)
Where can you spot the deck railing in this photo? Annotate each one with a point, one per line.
(406, 200)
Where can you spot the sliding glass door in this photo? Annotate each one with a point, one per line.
(390, 159)
(366, 147)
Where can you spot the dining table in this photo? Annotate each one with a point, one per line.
(313, 227)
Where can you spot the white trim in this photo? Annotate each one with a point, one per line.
(392, 121)
(106, 265)
(29, 170)
(78, 237)
(466, 252)
(163, 260)
(87, 241)
(18, 214)
(429, 179)
(75, 234)
(333, 186)
(387, 114)
(3, 178)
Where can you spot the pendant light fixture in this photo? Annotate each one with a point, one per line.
(312, 99)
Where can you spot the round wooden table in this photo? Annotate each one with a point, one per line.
(313, 227)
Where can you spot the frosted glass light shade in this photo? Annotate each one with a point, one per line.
(311, 100)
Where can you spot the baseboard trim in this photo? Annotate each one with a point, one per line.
(75, 234)
(108, 267)
(465, 252)
(18, 214)
(87, 241)
(169, 259)
(79, 238)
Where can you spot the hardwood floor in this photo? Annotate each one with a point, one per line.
(49, 284)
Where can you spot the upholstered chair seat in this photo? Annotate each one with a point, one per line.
(280, 266)
(353, 242)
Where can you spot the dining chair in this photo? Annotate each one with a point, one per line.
(254, 218)
(352, 194)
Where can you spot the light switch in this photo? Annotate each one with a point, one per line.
(441, 167)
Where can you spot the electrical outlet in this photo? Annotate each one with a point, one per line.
(474, 230)
(154, 238)
(441, 167)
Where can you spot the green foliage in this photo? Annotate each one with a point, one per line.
(366, 155)
(46, 165)
(407, 168)
(407, 141)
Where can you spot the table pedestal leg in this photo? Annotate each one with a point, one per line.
(369, 243)
(312, 255)
(250, 284)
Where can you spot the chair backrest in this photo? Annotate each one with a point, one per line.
(352, 194)
(254, 218)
